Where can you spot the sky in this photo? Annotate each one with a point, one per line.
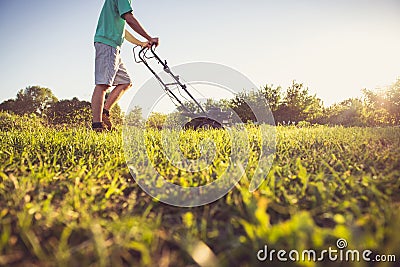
(335, 48)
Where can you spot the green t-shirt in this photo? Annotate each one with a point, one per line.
(111, 25)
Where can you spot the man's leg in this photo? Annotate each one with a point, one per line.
(98, 102)
(106, 68)
(109, 70)
(115, 95)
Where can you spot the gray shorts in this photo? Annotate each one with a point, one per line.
(109, 68)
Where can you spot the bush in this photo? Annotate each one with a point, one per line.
(304, 124)
(10, 122)
(72, 112)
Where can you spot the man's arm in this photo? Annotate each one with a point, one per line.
(135, 25)
(132, 39)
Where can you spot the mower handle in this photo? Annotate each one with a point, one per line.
(143, 59)
(143, 56)
(143, 51)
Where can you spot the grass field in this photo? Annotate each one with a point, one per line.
(67, 199)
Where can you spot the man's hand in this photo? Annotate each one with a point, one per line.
(152, 41)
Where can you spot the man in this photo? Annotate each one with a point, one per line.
(109, 69)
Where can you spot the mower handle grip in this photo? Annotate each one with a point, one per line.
(142, 52)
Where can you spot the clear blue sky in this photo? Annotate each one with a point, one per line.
(336, 48)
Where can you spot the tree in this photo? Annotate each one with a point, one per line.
(116, 116)
(156, 120)
(134, 117)
(9, 106)
(347, 113)
(298, 105)
(69, 111)
(31, 100)
(273, 96)
(393, 101)
(383, 107)
(240, 105)
(375, 112)
(34, 99)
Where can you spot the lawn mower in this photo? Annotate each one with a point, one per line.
(214, 118)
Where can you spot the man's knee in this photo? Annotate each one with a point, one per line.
(124, 86)
(127, 86)
(102, 87)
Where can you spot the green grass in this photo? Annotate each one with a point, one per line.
(67, 199)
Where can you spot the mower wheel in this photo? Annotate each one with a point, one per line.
(202, 123)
